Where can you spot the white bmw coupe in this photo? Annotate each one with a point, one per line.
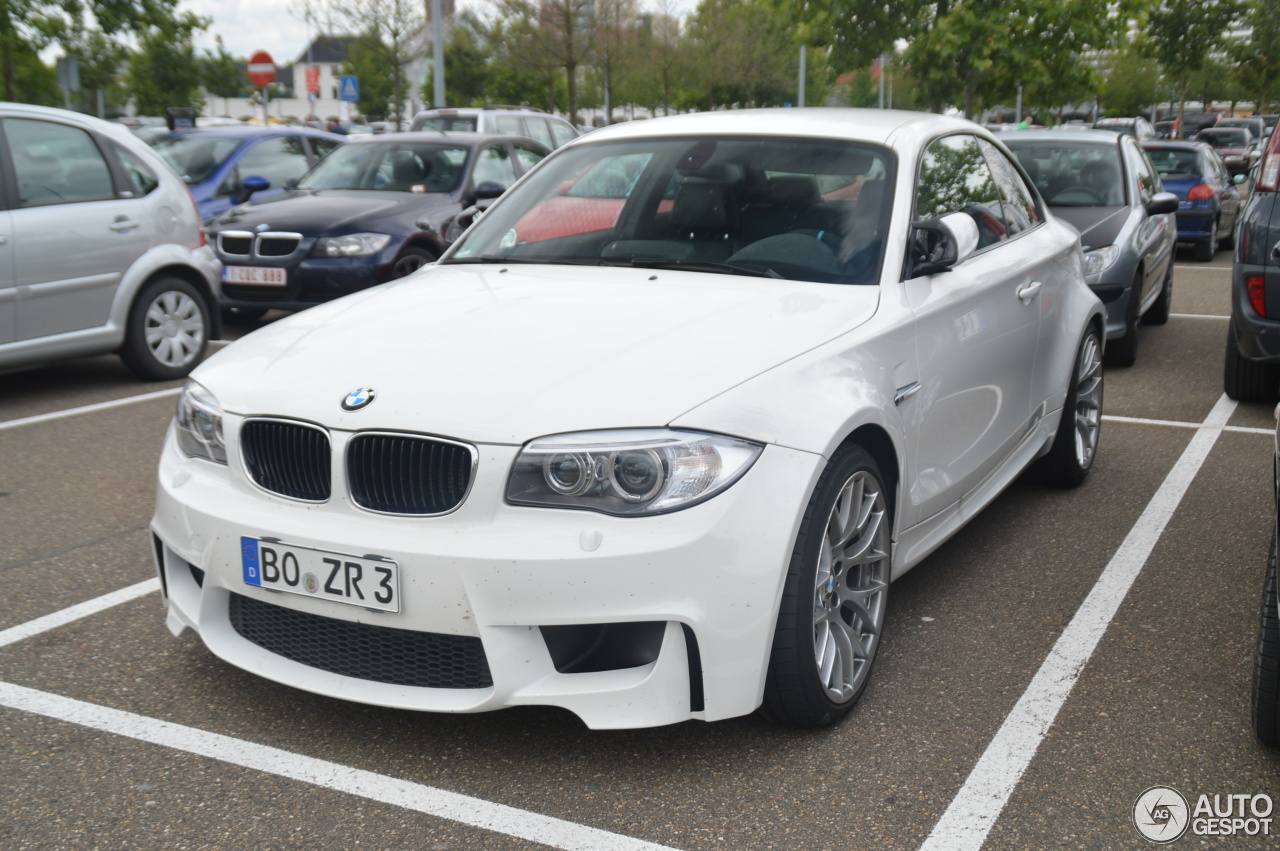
(651, 441)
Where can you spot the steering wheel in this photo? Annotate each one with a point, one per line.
(1065, 196)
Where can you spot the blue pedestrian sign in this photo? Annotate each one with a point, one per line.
(350, 89)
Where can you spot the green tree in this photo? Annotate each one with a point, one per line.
(224, 75)
(33, 81)
(1131, 82)
(743, 53)
(468, 70)
(26, 24)
(377, 88)
(164, 71)
(1181, 35)
(393, 34)
(548, 36)
(1258, 55)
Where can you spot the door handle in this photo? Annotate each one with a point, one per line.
(1030, 291)
(122, 225)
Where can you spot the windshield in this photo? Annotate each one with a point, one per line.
(1175, 164)
(801, 209)
(1073, 174)
(446, 123)
(389, 166)
(1224, 138)
(195, 158)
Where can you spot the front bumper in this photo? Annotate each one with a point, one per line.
(311, 280)
(709, 578)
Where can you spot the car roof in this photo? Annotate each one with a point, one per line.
(1090, 137)
(880, 126)
(1175, 144)
(251, 131)
(444, 137)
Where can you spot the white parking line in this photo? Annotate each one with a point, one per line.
(463, 809)
(89, 409)
(1176, 424)
(74, 613)
(973, 812)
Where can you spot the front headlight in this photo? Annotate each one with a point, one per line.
(199, 424)
(1098, 260)
(628, 472)
(350, 245)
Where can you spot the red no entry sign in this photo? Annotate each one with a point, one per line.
(262, 69)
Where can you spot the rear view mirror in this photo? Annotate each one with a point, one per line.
(942, 243)
(252, 184)
(1161, 203)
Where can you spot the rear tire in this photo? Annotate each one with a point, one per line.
(1247, 380)
(167, 330)
(1076, 444)
(831, 618)
(1205, 250)
(1266, 669)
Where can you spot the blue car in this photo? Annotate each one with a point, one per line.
(1209, 199)
(217, 163)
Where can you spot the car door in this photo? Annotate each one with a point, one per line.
(1228, 193)
(1156, 234)
(75, 233)
(977, 329)
(8, 287)
(279, 159)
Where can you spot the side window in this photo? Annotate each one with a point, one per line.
(277, 160)
(494, 165)
(510, 124)
(1148, 181)
(538, 131)
(954, 178)
(528, 156)
(562, 131)
(56, 164)
(1018, 202)
(142, 180)
(321, 147)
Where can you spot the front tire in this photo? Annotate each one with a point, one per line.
(167, 330)
(1124, 351)
(833, 603)
(411, 260)
(1076, 445)
(1159, 312)
(1266, 669)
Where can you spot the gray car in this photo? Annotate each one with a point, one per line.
(1104, 184)
(101, 248)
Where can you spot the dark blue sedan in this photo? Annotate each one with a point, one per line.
(377, 209)
(1209, 199)
(217, 162)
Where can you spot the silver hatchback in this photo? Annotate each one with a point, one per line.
(101, 248)
(1104, 184)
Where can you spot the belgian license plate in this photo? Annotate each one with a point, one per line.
(262, 276)
(338, 577)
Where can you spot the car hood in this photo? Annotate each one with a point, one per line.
(329, 211)
(503, 355)
(1098, 226)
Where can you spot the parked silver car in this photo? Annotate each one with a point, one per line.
(101, 248)
(1104, 184)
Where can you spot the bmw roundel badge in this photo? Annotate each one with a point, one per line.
(358, 399)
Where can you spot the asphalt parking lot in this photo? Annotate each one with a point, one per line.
(1062, 654)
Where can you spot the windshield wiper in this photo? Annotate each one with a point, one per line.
(754, 269)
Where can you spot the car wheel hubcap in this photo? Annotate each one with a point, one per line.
(174, 329)
(1088, 401)
(849, 590)
(411, 263)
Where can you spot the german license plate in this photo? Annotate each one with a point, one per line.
(262, 276)
(356, 580)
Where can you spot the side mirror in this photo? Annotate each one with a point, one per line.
(1161, 203)
(489, 190)
(940, 244)
(252, 184)
(1239, 178)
